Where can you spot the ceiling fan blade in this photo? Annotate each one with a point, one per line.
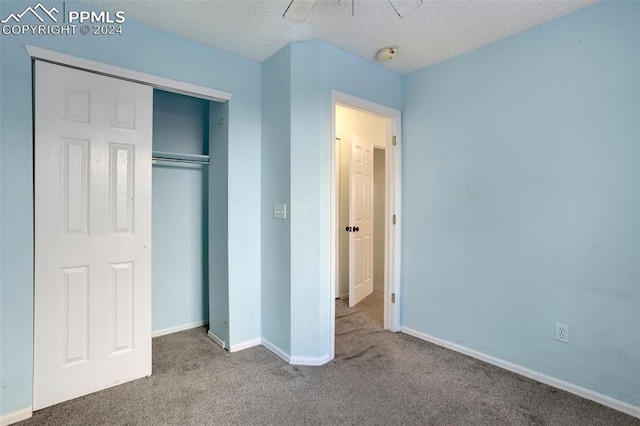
(298, 10)
(405, 7)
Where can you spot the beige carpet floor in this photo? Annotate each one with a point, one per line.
(377, 378)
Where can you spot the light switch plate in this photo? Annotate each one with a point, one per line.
(280, 211)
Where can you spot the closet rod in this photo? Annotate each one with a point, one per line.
(178, 160)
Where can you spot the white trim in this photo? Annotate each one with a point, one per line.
(311, 361)
(605, 400)
(158, 82)
(276, 350)
(393, 159)
(216, 339)
(183, 327)
(362, 104)
(392, 206)
(245, 345)
(296, 360)
(16, 416)
(336, 207)
(334, 241)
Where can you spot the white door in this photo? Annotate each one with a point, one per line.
(92, 233)
(360, 220)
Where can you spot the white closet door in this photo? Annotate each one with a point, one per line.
(92, 233)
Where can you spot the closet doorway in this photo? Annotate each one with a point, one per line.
(93, 222)
(190, 215)
(180, 174)
(189, 232)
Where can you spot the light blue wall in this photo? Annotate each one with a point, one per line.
(521, 200)
(296, 161)
(143, 49)
(316, 68)
(276, 183)
(180, 123)
(180, 226)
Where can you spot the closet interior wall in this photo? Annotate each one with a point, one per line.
(180, 214)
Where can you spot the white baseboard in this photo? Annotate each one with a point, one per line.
(273, 348)
(216, 339)
(165, 331)
(16, 416)
(344, 296)
(293, 360)
(605, 400)
(276, 350)
(312, 361)
(245, 345)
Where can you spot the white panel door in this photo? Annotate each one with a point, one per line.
(92, 233)
(360, 220)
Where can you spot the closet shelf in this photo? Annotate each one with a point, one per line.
(180, 158)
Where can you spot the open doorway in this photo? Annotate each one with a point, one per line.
(365, 199)
(360, 154)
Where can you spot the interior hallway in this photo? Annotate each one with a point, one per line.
(372, 307)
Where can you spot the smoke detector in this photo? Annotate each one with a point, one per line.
(387, 54)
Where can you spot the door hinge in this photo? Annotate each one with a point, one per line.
(394, 141)
(393, 298)
(394, 219)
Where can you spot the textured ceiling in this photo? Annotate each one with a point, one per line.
(436, 31)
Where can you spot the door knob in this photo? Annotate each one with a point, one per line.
(348, 229)
(356, 229)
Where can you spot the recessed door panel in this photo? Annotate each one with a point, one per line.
(123, 112)
(75, 309)
(77, 105)
(122, 187)
(122, 305)
(75, 186)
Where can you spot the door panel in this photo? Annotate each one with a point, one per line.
(123, 307)
(361, 219)
(75, 291)
(92, 233)
(122, 187)
(75, 166)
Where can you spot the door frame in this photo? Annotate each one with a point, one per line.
(156, 82)
(392, 207)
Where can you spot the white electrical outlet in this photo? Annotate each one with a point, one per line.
(280, 211)
(562, 333)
